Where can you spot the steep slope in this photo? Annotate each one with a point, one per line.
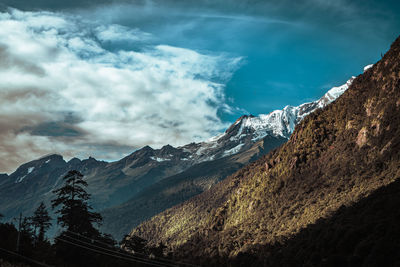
(117, 183)
(363, 234)
(247, 130)
(335, 157)
(3, 178)
(247, 139)
(36, 178)
(118, 220)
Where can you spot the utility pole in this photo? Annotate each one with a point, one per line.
(19, 231)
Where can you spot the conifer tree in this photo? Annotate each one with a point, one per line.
(74, 210)
(41, 221)
(26, 226)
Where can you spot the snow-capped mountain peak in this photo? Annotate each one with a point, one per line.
(334, 93)
(281, 122)
(246, 131)
(249, 129)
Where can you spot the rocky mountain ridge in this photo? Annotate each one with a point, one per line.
(248, 129)
(336, 157)
(116, 184)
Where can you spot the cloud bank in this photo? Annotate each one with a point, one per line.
(68, 87)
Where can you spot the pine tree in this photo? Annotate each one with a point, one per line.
(41, 221)
(74, 211)
(26, 226)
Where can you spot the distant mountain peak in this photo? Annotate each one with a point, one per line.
(51, 156)
(244, 141)
(147, 148)
(248, 129)
(336, 157)
(74, 161)
(280, 122)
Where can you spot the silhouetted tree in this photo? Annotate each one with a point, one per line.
(75, 213)
(26, 226)
(41, 221)
(81, 244)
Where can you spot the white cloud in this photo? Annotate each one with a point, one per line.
(58, 65)
(118, 33)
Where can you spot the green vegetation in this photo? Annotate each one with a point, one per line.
(336, 157)
(363, 234)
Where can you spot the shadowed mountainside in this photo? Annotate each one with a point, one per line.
(173, 190)
(364, 234)
(121, 187)
(336, 156)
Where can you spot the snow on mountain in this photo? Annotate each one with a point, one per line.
(233, 151)
(249, 129)
(239, 137)
(282, 122)
(159, 159)
(20, 179)
(334, 93)
(368, 67)
(30, 169)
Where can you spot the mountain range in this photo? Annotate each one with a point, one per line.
(149, 181)
(327, 197)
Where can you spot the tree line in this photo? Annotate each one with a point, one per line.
(80, 242)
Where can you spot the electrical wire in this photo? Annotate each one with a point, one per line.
(113, 251)
(25, 258)
(110, 254)
(143, 254)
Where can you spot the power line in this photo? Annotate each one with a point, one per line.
(113, 251)
(108, 254)
(25, 258)
(143, 254)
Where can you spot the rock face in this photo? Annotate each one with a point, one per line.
(171, 174)
(336, 156)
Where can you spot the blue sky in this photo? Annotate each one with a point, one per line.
(292, 52)
(119, 75)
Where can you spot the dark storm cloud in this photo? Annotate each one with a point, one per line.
(67, 127)
(55, 129)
